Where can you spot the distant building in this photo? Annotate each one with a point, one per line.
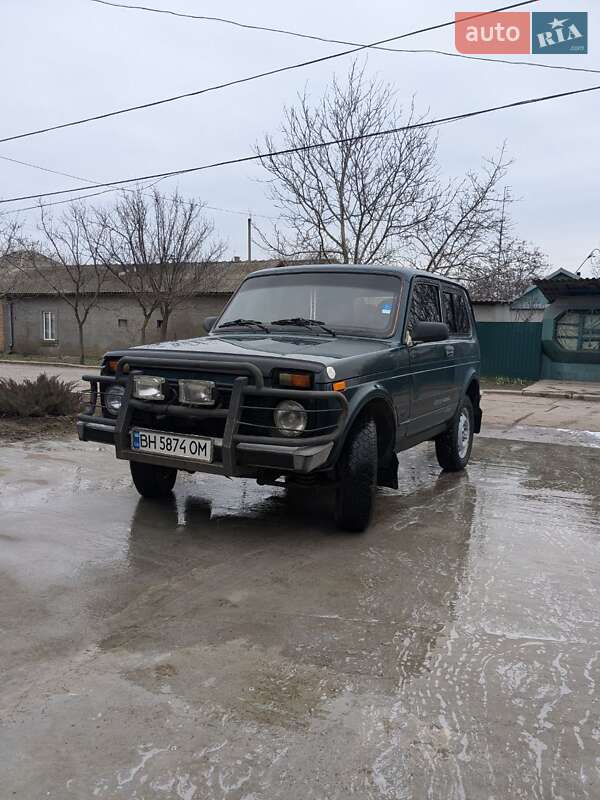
(528, 307)
(35, 321)
(571, 327)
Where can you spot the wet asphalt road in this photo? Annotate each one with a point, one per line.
(232, 645)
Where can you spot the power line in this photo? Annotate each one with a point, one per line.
(46, 169)
(328, 40)
(95, 194)
(305, 148)
(249, 78)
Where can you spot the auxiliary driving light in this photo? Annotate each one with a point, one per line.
(196, 393)
(148, 387)
(290, 418)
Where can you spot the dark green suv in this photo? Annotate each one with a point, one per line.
(316, 375)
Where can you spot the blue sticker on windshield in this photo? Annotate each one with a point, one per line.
(385, 308)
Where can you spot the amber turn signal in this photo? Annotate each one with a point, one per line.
(339, 386)
(297, 380)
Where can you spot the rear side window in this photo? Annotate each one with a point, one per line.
(425, 304)
(463, 316)
(456, 313)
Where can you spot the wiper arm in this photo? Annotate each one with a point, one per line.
(244, 323)
(303, 322)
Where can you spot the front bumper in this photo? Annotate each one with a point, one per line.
(235, 454)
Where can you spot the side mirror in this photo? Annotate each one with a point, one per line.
(209, 323)
(430, 332)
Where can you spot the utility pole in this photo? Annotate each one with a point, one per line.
(249, 237)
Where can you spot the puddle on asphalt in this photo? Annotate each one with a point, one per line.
(451, 651)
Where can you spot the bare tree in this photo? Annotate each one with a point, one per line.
(66, 261)
(354, 201)
(467, 218)
(11, 242)
(161, 248)
(505, 278)
(379, 198)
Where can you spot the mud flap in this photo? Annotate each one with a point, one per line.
(387, 473)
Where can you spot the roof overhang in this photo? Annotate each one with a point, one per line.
(560, 287)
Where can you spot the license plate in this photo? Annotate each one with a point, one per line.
(172, 444)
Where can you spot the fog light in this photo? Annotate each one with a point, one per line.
(148, 387)
(197, 393)
(113, 399)
(290, 418)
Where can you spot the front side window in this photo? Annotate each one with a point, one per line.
(48, 326)
(424, 305)
(579, 331)
(354, 304)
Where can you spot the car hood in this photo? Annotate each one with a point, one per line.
(347, 355)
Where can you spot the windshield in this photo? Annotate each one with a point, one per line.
(359, 304)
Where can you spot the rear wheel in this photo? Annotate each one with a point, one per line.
(152, 480)
(453, 447)
(357, 476)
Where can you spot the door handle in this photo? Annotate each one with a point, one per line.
(449, 351)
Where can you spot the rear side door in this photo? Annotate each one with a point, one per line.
(434, 398)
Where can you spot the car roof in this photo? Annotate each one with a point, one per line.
(397, 270)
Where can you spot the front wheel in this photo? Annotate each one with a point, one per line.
(152, 481)
(453, 447)
(357, 475)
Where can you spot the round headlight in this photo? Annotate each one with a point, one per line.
(113, 399)
(290, 418)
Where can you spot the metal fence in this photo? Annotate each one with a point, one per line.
(511, 349)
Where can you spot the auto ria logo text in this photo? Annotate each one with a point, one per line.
(519, 32)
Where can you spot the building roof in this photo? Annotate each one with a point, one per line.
(553, 288)
(219, 278)
(560, 274)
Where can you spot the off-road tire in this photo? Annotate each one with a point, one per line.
(151, 480)
(453, 451)
(357, 477)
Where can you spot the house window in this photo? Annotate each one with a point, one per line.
(159, 323)
(122, 323)
(48, 326)
(579, 331)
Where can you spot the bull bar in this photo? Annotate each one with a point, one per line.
(240, 454)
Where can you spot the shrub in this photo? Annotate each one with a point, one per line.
(44, 396)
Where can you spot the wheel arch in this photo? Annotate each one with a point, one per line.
(377, 404)
(472, 390)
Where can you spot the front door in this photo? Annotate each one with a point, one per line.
(432, 364)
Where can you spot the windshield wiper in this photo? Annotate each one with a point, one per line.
(244, 323)
(303, 322)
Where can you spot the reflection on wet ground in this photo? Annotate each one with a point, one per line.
(231, 643)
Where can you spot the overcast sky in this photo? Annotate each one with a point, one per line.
(71, 58)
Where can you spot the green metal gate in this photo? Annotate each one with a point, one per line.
(511, 349)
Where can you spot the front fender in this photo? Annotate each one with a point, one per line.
(358, 398)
